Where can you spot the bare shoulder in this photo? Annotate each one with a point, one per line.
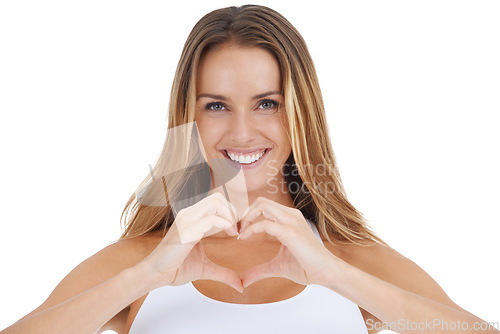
(98, 268)
(389, 265)
(105, 264)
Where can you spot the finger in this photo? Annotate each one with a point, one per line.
(231, 207)
(222, 207)
(268, 226)
(261, 271)
(196, 231)
(232, 231)
(235, 213)
(215, 223)
(254, 214)
(215, 203)
(221, 274)
(267, 209)
(227, 210)
(219, 206)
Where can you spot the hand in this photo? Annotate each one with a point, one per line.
(179, 258)
(302, 257)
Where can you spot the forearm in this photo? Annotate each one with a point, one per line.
(90, 310)
(407, 312)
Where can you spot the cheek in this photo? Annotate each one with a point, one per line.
(280, 136)
(209, 133)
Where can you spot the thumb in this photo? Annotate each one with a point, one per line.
(212, 271)
(260, 271)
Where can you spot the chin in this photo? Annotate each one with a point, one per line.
(246, 184)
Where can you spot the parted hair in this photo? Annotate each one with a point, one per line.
(311, 167)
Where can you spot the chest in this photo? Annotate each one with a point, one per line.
(182, 310)
(266, 291)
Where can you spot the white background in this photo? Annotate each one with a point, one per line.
(412, 95)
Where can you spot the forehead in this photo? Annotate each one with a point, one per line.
(231, 69)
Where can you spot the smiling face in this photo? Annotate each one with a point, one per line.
(240, 114)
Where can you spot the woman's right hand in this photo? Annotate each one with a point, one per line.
(179, 258)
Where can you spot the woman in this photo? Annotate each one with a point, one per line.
(245, 90)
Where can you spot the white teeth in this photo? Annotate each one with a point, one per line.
(245, 159)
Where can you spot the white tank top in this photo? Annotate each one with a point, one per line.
(183, 309)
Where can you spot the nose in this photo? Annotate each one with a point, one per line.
(243, 129)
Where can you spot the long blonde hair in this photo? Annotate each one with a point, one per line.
(311, 168)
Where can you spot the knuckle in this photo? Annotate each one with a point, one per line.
(219, 196)
(181, 213)
(260, 199)
(222, 201)
(258, 205)
(218, 199)
(211, 198)
(205, 199)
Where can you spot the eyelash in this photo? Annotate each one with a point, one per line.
(208, 106)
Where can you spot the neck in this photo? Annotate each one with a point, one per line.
(280, 197)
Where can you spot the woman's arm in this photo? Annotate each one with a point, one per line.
(377, 278)
(399, 293)
(92, 294)
(123, 272)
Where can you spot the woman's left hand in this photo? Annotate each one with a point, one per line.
(302, 257)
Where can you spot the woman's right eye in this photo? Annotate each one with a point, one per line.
(215, 106)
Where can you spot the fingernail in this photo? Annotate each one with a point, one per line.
(241, 234)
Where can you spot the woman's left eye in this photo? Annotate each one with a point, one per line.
(269, 104)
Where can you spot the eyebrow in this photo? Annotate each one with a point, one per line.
(223, 98)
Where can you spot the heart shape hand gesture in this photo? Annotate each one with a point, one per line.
(302, 257)
(179, 258)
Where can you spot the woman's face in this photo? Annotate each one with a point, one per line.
(240, 113)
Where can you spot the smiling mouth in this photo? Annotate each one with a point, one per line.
(245, 159)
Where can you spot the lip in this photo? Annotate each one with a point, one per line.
(243, 152)
(247, 166)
